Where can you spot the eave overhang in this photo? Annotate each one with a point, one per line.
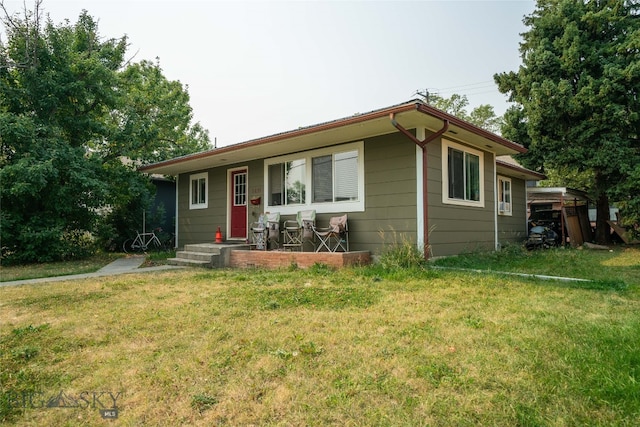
(515, 171)
(411, 115)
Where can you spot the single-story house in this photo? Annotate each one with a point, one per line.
(409, 171)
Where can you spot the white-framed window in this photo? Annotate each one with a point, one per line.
(462, 175)
(198, 184)
(504, 196)
(240, 189)
(327, 180)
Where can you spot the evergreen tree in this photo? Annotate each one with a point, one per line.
(577, 100)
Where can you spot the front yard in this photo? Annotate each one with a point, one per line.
(361, 346)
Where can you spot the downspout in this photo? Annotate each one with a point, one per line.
(564, 238)
(496, 196)
(423, 147)
(175, 225)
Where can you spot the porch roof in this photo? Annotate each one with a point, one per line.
(555, 194)
(410, 115)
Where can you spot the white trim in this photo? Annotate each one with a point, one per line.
(495, 207)
(176, 225)
(230, 203)
(445, 175)
(504, 211)
(198, 176)
(420, 135)
(526, 207)
(331, 207)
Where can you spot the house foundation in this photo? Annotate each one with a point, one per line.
(283, 259)
(215, 255)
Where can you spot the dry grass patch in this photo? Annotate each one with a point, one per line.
(353, 347)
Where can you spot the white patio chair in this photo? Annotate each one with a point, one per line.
(297, 232)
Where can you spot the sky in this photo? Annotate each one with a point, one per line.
(256, 68)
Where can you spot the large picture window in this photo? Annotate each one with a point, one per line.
(463, 177)
(286, 183)
(328, 180)
(198, 191)
(335, 177)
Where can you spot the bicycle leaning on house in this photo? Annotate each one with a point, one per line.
(145, 241)
(142, 242)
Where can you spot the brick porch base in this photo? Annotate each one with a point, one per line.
(279, 259)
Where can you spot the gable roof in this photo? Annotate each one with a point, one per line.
(410, 115)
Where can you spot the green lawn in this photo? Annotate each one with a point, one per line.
(619, 265)
(362, 346)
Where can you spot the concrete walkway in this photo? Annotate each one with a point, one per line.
(130, 264)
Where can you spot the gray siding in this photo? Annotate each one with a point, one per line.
(513, 229)
(390, 189)
(390, 199)
(200, 225)
(458, 229)
(390, 203)
(255, 184)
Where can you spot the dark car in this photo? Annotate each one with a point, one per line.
(546, 218)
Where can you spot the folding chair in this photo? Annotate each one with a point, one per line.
(335, 237)
(266, 230)
(297, 232)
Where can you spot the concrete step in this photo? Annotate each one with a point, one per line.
(188, 262)
(196, 256)
(211, 248)
(211, 255)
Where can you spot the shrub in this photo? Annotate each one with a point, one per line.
(47, 245)
(399, 251)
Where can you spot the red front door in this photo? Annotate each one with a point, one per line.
(238, 204)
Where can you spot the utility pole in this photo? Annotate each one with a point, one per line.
(424, 95)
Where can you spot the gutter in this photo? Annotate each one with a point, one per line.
(423, 147)
(455, 121)
(414, 105)
(308, 130)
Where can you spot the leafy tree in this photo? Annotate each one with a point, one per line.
(483, 116)
(154, 123)
(75, 121)
(576, 95)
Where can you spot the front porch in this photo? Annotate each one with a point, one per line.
(230, 255)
